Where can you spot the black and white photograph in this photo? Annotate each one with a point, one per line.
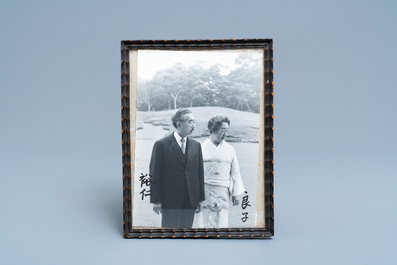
(198, 138)
(198, 132)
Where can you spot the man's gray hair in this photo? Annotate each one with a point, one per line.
(178, 116)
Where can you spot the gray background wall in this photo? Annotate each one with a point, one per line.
(335, 122)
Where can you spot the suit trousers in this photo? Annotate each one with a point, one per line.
(178, 218)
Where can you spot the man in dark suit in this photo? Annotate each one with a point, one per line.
(177, 174)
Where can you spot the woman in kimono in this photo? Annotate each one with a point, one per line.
(222, 179)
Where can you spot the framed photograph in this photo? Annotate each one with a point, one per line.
(197, 138)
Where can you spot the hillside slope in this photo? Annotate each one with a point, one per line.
(244, 126)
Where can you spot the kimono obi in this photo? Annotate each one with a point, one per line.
(216, 171)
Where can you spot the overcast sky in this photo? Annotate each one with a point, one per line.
(150, 62)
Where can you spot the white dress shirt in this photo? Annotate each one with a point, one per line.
(179, 138)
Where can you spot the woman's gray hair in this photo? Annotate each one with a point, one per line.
(215, 123)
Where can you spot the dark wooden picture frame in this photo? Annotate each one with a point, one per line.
(264, 198)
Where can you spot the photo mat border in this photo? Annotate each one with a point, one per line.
(267, 46)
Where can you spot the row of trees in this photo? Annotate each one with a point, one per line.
(196, 86)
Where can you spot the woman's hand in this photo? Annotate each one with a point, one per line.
(235, 201)
(198, 208)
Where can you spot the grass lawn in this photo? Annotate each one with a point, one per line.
(143, 215)
(244, 126)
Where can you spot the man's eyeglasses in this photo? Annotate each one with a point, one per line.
(190, 121)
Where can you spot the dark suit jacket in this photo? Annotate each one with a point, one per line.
(174, 175)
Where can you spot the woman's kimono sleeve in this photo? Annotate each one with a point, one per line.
(236, 184)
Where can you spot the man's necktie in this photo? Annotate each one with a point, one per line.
(183, 147)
